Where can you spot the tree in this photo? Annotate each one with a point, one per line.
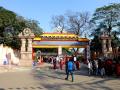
(115, 43)
(7, 18)
(27, 23)
(108, 17)
(74, 22)
(77, 22)
(58, 21)
(11, 25)
(33, 25)
(96, 45)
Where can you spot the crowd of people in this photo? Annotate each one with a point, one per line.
(60, 62)
(96, 67)
(103, 68)
(67, 63)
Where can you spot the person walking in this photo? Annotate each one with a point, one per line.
(61, 64)
(66, 65)
(54, 64)
(70, 67)
(102, 71)
(77, 65)
(89, 67)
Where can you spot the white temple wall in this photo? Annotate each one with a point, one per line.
(7, 52)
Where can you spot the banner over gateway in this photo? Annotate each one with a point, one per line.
(54, 40)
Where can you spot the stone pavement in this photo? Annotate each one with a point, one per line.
(45, 78)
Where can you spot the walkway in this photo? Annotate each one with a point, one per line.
(44, 78)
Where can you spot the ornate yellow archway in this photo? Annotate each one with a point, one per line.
(60, 40)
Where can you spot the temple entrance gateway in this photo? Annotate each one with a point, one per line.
(60, 42)
(49, 41)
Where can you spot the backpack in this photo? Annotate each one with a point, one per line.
(70, 65)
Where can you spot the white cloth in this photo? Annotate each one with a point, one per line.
(75, 59)
(57, 59)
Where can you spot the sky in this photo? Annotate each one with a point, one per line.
(43, 10)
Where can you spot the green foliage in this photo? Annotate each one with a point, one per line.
(107, 16)
(7, 18)
(106, 19)
(33, 25)
(115, 39)
(11, 25)
(67, 51)
(96, 44)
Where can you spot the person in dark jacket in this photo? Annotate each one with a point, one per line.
(66, 66)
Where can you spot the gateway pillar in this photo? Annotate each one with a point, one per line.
(59, 50)
(26, 48)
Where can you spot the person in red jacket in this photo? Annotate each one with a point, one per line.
(77, 65)
(61, 63)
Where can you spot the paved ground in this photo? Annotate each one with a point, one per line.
(44, 78)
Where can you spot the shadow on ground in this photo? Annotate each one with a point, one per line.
(2, 89)
(94, 83)
(75, 86)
